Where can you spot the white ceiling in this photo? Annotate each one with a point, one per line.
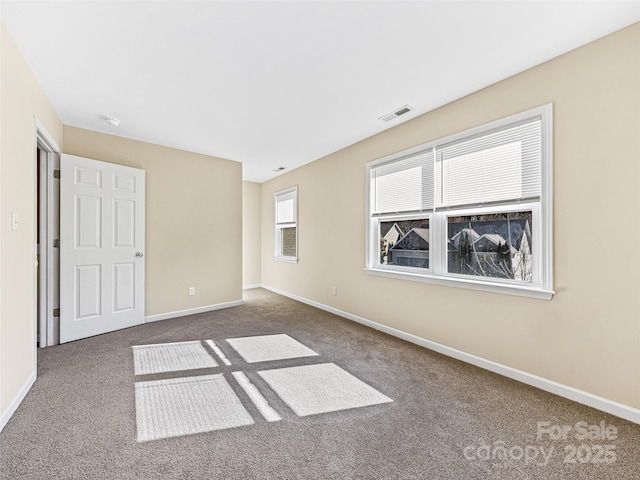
(275, 83)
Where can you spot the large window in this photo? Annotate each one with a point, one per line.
(286, 225)
(471, 210)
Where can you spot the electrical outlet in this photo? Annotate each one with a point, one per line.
(334, 290)
(14, 221)
(192, 290)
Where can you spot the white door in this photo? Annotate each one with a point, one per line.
(101, 247)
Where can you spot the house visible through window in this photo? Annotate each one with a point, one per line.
(470, 210)
(286, 228)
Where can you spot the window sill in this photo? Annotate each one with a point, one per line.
(518, 290)
(286, 259)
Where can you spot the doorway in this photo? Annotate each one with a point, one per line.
(92, 280)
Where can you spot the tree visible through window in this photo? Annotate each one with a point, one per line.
(475, 205)
(492, 245)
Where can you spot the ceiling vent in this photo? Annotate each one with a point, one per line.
(279, 169)
(395, 114)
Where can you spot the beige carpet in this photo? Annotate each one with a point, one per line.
(447, 420)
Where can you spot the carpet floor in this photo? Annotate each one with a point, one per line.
(404, 412)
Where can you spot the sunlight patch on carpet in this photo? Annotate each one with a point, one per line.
(321, 388)
(171, 357)
(269, 414)
(266, 348)
(218, 352)
(184, 406)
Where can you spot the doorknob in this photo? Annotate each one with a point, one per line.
(139, 254)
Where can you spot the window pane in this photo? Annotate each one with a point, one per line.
(404, 243)
(496, 167)
(288, 242)
(487, 175)
(399, 191)
(491, 245)
(285, 209)
(404, 185)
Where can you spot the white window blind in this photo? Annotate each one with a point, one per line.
(494, 180)
(404, 185)
(286, 208)
(498, 167)
(494, 168)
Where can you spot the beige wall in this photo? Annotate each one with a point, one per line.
(193, 219)
(21, 101)
(251, 233)
(587, 336)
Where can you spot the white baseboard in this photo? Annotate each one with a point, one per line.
(580, 396)
(13, 406)
(191, 311)
(249, 287)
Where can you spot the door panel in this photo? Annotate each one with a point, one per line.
(101, 247)
(124, 223)
(88, 177)
(88, 286)
(88, 221)
(124, 284)
(125, 183)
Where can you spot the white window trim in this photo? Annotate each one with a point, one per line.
(277, 228)
(286, 259)
(544, 288)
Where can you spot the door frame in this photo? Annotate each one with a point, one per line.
(44, 287)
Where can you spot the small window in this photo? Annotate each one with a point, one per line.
(471, 210)
(286, 225)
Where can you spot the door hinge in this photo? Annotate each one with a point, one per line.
(56, 243)
(56, 312)
(56, 174)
